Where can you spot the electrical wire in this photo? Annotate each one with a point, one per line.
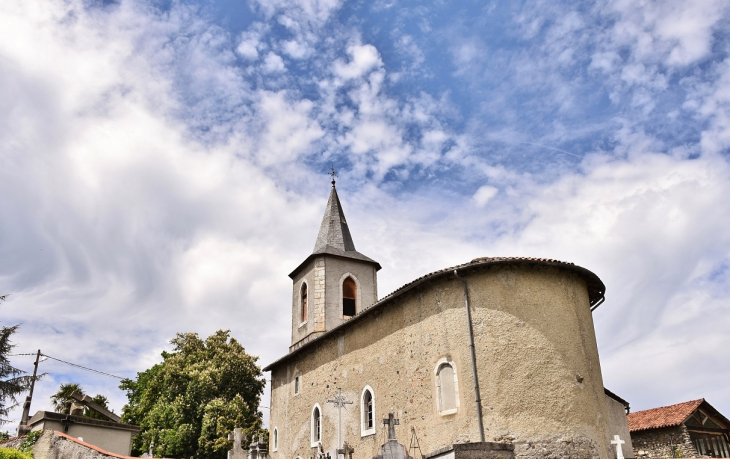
(73, 365)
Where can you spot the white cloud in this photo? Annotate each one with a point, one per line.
(274, 64)
(363, 59)
(484, 194)
(296, 49)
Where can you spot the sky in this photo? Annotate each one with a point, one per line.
(163, 167)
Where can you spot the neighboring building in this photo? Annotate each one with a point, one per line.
(689, 429)
(110, 435)
(534, 362)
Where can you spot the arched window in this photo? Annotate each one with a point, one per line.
(367, 410)
(349, 297)
(275, 442)
(447, 387)
(303, 303)
(316, 425)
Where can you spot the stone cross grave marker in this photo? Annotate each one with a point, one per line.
(346, 450)
(339, 401)
(238, 440)
(618, 442)
(391, 422)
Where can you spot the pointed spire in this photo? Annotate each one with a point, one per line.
(334, 232)
(334, 235)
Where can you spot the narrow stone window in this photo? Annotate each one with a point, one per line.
(367, 410)
(447, 387)
(297, 383)
(349, 296)
(276, 439)
(316, 425)
(303, 303)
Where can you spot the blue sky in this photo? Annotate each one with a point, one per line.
(164, 167)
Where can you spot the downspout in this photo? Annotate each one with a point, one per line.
(473, 357)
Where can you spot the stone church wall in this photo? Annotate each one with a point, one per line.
(538, 367)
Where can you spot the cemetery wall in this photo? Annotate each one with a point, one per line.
(656, 443)
(538, 367)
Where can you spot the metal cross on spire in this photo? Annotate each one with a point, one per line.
(339, 401)
(333, 174)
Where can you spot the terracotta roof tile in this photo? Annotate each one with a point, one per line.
(665, 416)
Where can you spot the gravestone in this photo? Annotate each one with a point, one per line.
(238, 438)
(392, 449)
(618, 442)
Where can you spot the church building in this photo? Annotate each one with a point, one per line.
(496, 350)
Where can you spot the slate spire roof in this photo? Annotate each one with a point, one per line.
(334, 236)
(333, 231)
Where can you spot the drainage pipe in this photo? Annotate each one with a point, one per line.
(473, 357)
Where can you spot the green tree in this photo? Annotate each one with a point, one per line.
(200, 392)
(62, 400)
(12, 380)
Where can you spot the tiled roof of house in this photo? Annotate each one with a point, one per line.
(665, 416)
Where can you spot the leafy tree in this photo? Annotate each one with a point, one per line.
(62, 400)
(200, 392)
(12, 381)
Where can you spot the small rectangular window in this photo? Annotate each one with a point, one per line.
(348, 307)
(296, 385)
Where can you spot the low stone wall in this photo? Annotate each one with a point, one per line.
(559, 448)
(477, 450)
(656, 443)
(13, 442)
(55, 445)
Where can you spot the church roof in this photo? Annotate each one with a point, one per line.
(334, 236)
(665, 416)
(596, 289)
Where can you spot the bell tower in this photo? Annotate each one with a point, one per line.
(335, 282)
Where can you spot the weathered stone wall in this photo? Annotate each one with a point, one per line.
(657, 443)
(618, 424)
(477, 450)
(13, 442)
(538, 368)
(557, 448)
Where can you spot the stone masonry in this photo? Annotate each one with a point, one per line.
(319, 271)
(656, 443)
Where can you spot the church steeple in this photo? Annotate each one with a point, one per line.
(334, 232)
(335, 282)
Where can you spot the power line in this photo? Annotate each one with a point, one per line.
(73, 365)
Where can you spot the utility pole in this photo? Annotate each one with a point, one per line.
(23, 426)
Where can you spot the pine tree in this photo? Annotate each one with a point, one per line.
(12, 380)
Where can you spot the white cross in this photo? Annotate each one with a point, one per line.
(618, 442)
